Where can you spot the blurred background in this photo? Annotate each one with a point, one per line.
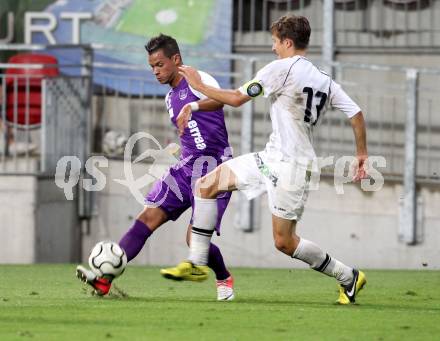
(74, 81)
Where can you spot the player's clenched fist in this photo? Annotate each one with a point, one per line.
(360, 168)
(183, 118)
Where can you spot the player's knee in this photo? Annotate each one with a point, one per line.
(283, 244)
(152, 217)
(279, 244)
(206, 187)
(146, 217)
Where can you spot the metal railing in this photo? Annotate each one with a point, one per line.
(381, 91)
(399, 104)
(41, 126)
(372, 24)
(41, 118)
(65, 127)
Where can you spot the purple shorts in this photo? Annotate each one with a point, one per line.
(173, 194)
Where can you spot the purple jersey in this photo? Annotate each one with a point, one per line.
(206, 134)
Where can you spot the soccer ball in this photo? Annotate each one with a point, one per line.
(114, 143)
(107, 259)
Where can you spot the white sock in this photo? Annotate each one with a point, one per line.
(318, 260)
(199, 248)
(204, 221)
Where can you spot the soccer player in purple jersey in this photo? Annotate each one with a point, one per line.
(204, 145)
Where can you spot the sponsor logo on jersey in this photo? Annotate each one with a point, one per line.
(264, 169)
(194, 130)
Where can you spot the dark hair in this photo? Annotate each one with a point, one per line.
(163, 42)
(292, 27)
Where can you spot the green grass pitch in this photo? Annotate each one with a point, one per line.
(189, 26)
(46, 302)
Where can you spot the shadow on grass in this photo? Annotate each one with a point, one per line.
(279, 302)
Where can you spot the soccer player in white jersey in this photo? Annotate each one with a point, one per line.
(298, 93)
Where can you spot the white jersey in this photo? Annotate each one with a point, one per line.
(299, 94)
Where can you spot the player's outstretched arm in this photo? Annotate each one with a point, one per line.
(208, 104)
(185, 113)
(360, 134)
(231, 97)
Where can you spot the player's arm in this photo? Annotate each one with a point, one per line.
(360, 135)
(208, 104)
(234, 98)
(343, 102)
(185, 113)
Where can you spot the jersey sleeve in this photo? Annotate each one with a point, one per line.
(268, 80)
(208, 80)
(340, 100)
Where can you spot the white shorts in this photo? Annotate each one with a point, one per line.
(286, 182)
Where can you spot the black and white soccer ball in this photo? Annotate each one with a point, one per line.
(113, 143)
(107, 259)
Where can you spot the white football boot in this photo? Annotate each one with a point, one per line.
(225, 289)
(100, 285)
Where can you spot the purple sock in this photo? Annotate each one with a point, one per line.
(134, 239)
(216, 263)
